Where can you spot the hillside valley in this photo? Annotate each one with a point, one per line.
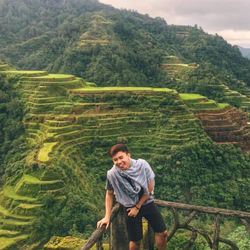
(78, 76)
(68, 126)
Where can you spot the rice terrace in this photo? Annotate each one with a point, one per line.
(79, 76)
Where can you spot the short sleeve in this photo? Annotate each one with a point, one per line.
(149, 172)
(108, 185)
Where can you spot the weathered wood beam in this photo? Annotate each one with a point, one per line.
(230, 243)
(201, 232)
(176, 224)
(213, 243)
(94, 238)
(245, 223)
(190, 218)
(148, 240)
(209, 210)
(118, 232)
(99, 244)
(216, 232)
(99, 231)
(191, 241)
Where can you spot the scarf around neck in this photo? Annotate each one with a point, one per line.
(129, 183)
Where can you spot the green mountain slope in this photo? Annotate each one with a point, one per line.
(53, 182)
(56, 128)
(106, 45)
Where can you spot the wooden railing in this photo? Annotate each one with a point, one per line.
(118, 235)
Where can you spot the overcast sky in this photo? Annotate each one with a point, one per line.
(228, 18)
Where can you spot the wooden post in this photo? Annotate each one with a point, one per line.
(148, 236)
(93, 238)
(97, 234)
(99, 244)
(216, 232)
(118, 232)
(247, 226)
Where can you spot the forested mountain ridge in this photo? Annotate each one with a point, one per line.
(106, 45)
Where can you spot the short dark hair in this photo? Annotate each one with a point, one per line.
(117, 148)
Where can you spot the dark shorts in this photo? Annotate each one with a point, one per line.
(152, 214)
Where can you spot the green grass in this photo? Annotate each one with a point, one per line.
(29, 206)
(90, 84)
(179, 65)
(43, 154)
(4, 232)
(223, 105)
(186, 97)
(206, 104)
(26, 73)
(68, 242)
(26, 209)
(56, 130)
(10, 193)
(28, 179)
(13, 222)
(4, 67)
(8, 242)
(117, 89)
(6, 213)
(56, 76)
(53, 78)
(198, 102)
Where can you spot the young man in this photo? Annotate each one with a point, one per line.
(132, 183)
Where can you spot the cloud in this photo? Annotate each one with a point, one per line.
(240, 37)
(211, 15)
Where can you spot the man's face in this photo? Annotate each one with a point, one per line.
(122, 160)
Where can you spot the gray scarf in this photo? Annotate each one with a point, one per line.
(128, 184)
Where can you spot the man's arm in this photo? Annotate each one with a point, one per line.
(134, 210)
(146, 196)
(151, 186)
(108, 208)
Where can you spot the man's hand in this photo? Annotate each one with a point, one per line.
(133, 211)
(103, 221)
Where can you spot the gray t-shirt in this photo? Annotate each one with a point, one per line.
(136, 178)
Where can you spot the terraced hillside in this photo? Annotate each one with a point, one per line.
(236, 93)
(242, 99)
(4, 67)
(65, 120)
(22, 202)
(69, 127)
(238, 98)
(177, 70)
(223, 123)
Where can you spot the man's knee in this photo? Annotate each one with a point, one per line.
(134, 245)
(161, 239)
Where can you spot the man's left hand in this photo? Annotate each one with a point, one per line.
(132, 211)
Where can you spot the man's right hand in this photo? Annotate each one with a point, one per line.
(103, 221)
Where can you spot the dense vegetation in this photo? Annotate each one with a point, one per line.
(105, 45)
(56, 186)
(206, 174)
(11, 127)
(53, 171)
